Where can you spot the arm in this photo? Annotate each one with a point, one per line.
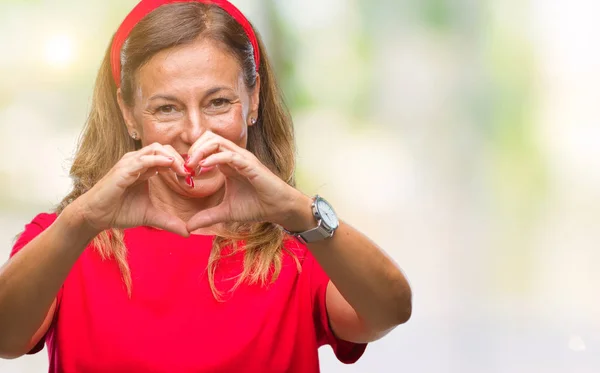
(368, 295)
(30, 281)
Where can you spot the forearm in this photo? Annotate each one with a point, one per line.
(369, 280)
(30, 280)
(363, 274)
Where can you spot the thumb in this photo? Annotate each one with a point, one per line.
(208, 217)
(160, 219)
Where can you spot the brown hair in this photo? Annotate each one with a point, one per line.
(105, 138)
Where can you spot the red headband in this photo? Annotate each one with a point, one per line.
(145, 7)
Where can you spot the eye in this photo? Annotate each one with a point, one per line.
(219, 103)
(166, 109)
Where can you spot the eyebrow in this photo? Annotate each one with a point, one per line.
(163, 97)
(210, 92)
(214, 90)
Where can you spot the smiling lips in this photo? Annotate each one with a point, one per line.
(189, 180)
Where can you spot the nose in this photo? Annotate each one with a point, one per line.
(194, 127)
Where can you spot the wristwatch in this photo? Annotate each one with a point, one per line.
(327, 222)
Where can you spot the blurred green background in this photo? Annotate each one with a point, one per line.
(462, 136)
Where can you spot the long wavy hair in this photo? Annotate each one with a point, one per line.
(105, 139)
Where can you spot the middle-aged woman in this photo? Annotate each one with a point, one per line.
(184, 246)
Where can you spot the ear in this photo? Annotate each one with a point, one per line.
(254, 101)
(128, 116)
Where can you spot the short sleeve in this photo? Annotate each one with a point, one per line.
(346, 352)
(32, 230)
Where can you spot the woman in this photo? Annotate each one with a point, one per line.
(184, 246)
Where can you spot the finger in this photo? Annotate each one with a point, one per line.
(168, 151)
(153, 172)
(202, 152)
(147, 175)
(164, 169)
(228, 171)
(133, 169)
(236, 161)
(179, 164)
(162, 220)
(208, 217)
(146, 163)
(194, 156)
(211, 144)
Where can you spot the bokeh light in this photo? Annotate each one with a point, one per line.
(59, 51)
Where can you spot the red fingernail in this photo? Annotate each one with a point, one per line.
(189, 171)
(189, 181)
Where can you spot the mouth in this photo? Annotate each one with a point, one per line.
(189, 180)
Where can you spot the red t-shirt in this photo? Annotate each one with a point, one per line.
(172, 322)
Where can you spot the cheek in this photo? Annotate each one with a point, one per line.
(161, 132)
(231, 126)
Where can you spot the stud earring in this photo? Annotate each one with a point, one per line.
(253, 120)
(134, 136)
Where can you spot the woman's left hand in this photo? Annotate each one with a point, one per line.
(252, 191)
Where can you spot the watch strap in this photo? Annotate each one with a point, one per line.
(318, 233)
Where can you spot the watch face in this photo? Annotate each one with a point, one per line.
(327, 214)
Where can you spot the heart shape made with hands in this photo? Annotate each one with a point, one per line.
(162, 220)
(252, 193)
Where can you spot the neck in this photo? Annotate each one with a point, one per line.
(165, 199)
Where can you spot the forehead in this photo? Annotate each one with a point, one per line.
(202, 63)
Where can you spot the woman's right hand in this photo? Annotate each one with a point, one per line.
(121, 200)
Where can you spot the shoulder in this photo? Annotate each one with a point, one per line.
(32, 229)
(44, 219)
(305, 260)
(40, 222)
(293, 247)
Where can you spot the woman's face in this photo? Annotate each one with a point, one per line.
(185, 91)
